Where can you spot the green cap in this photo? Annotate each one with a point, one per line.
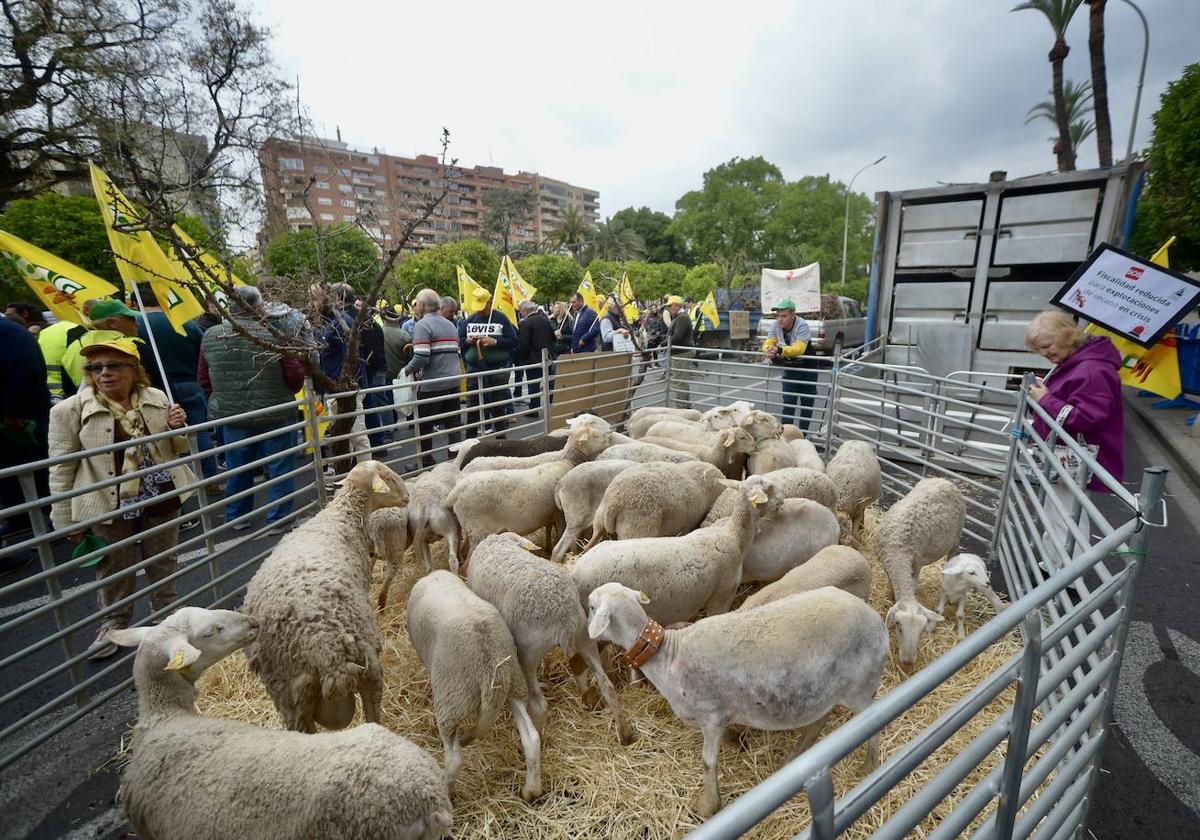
(786, 303)
(109, 308)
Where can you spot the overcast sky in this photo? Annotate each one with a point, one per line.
(638, 99)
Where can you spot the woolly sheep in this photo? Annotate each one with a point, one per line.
(919, 529)
(387, 529)
(471, 658)
(834, 565)
(788, 537)
(538, 602)
(961, 574)
(318, 645)
(656, 500)
(760, 425)
(685, 413)
(854, 470)
(520, 501)
(781, 666)
(685, 574)
(644, 453)
(519, 447)
(806, 454)
(212, 778)
(429, 517)
(792, 433)
(727, 451)
(579, 494)
(793, 483)
(490, 463)
(715, 419)
(770, 455)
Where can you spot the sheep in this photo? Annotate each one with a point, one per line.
(806, 453)
(471, 658)
(472, 463)
(727, 451)
(538, 602)
(685, 574)
(780, 666)
(644, 453)
(854, 470)
(793, 483)
(209, 778)
(318, 644)
(387, 529)
(787, 538)
(429, 517)
(656, 500)
(919, 529)
(792, 433)
(960, 575)
(713, 420)
(834, 565)
(578, 495)
(490, 447)
(770, 455)
(520, 501)
(685, 413)
(492, 463)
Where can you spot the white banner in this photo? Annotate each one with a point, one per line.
(486, 328)
(802, 286)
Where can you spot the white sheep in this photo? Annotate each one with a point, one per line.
(919, 529)
(521, 501)
(780, 666)
(488, 463)
(429, 517)
(211, 778)
(727, 451)
(538, 602)
(793, 483)
(792, 433)
(685, 413)
(387, 529)
(644, 453)
(806, 453)
(834, 565)
(656, 500)
(770, 455)
(715, 419)
(684, 574)
(789, 537)
(961, 574)
(467, 648)
(854, 470)
(579, 494)
(318, 645)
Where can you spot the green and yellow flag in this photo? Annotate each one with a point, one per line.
(213, 272)
(504, 298)
(62, 287)
(521, 290)
(623, 292)
(140, 259)
(466, 292)
(709, 309)
(587, 290)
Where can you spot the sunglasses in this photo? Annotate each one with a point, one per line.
(96, 367)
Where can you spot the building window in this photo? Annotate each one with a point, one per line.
(298, 213)
(328, 217)
(347, 202)
(373, 160)
(322, 185)
(291, 163)
(349, 218)
(325, 201)
(320, 169)
(344, 188)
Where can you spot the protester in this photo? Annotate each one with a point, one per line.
(25, 408)
(435, 364)
(332, 334)
(1083, 393)
(449, 309)
(586, 330)
(654, 329)
(241, 375)
(118, 405)
(284, 318)
(564, 322)
(682, 352)
(374, 354)
(535, 334)
(612, 324)
(53, 341)
(488, 340)
(397, 343)
(105, 314)
(26, 315)
(785, 347)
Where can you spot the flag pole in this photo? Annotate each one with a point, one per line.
(153, 344)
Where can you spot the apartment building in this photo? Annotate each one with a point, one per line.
(379, 190)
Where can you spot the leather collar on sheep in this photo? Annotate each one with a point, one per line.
(644, 647)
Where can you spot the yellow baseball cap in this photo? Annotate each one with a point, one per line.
(674, 299)
(97, 340)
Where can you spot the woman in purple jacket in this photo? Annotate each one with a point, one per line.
(1083, 391)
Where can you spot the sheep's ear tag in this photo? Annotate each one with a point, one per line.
(643, 598)
(379, 485)
(758, 498)
(728, 440)
(177, 662)
(584, 435)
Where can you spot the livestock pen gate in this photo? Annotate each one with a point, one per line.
(1070, 601)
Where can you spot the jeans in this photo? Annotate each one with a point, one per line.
(195, 405)
(682, 365)
(802, 383)
(380, 420)
(241, 455)
(429, 405)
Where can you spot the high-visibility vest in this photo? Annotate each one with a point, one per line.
(53, 341)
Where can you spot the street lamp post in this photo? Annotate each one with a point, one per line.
(846, 223)
(1137, 101)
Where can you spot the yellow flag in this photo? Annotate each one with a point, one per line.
(521, 289)
(1154, 369)
(214, 273)
(322, 424)
(62, 287)
(466, 292)
(503, 298)
(709, 309)
(139, 259)
(624, 295)
(587, 290)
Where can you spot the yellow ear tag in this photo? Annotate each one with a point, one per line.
(379, 485)
(643, 598)
(176, 662)
(758, 498)
(584, 435)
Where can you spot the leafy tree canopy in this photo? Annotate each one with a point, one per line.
(436, 268)
(724, 219)
(347, 255)
(556, 276)
(662, 244)
(807, 227)
(504, 212)
(702, 279)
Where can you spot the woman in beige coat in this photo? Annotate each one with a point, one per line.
(117, 405)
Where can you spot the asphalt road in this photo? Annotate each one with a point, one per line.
(1150, 786)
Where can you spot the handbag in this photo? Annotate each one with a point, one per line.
(1067, 457)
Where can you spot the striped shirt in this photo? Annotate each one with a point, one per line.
(435, 353)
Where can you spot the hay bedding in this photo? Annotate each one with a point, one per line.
(594, 787)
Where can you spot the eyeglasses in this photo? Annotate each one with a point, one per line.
(96, 367)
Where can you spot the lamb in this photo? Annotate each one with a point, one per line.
(387, 529)
(727, 451)
(806, 454)
(793, 483)
(683, 575)
(960, 575)
(770, 455)
(855, 473)
(579, 494)
(520, 501)
(760, 425)
(520, 447)
(919, 529)
(538, 602)
(792, 434)
(656, 500)
(210, 778)
(834, 565)
(789, 537)
(318, 644)
(780, 666)
(430, 518)
(644, 453)
(463, 642)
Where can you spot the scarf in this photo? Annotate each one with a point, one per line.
(138, 455)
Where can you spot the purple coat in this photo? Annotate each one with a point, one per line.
(1088, 384)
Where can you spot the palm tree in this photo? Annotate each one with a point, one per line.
(1099, 81)
(1059, 14)
(571, 232)
(614, 242)
(1081, 130)
(1078, 102)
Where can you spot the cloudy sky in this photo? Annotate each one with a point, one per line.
(638, 99)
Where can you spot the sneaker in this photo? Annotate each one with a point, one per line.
(189, 525)
(216, 488)
(103, 647)
(244, 525)
(279, 530)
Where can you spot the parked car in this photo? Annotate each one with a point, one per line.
(840, 318)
